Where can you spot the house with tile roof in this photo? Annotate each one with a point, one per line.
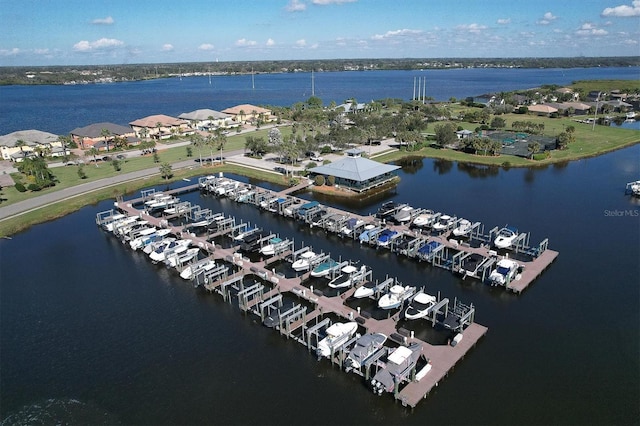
(160, 127)
(247, 113)
(102, 136)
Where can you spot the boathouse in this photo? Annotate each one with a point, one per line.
(356, 172)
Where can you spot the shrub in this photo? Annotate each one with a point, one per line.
(20, 187)
(319, 181)
(331, 180)
(310, 165)
(34, 187)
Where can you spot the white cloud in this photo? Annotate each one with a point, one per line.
(244, 42)
(41, 51)
(395, 33)
(270, 42)
(295, 6)
(102, 44)
(206, 46)
(589, 28)
(504, 21)
(103, 21)
(326, 2)
(472, 28)
(167, 47)
(9, 52)
(547, 18)
(623, 11)
(301, 43)
(630, 42)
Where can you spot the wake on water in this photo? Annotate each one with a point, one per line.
(60, 412)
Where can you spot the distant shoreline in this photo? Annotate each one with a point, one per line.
(106, 74)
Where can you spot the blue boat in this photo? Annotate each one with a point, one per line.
(385, 237)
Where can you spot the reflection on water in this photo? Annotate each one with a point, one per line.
(479, 171)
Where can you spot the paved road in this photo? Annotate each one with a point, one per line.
(268, 163)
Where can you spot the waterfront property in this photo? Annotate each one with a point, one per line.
(102, 136)
(23, 144)
(208, 119)
(247, 113)
(357, 173)
(160, 127)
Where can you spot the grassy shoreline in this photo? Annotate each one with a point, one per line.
(590, 143)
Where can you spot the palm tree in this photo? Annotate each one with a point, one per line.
(198, 142)
(221, 140)
(105, 133)
(166, 171)
(20, 144)
(533, 148)
(93, 151)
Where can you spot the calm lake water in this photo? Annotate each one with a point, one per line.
(93, 333)
(60, 109)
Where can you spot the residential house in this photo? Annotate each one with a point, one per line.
(541, 109)
(160, 127)
(23, 144)
(247, 113)
(208, 119)
(102, 136)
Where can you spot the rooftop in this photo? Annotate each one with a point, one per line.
(354, 168)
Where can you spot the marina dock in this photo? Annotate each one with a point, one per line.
(302, 323)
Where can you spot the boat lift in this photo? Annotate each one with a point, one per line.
(248, 295)
(315, 331)
(268, 305)
(289, 317)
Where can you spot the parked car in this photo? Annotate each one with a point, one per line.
(316, 158)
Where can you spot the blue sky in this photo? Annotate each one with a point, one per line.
(74, 32)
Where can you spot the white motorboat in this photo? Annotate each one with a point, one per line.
(396, 296)
(174, 247)
(144, 240)
(323, 269)
(505, 237)
(364, 348)
(303, 263)
(423, 219)
(270, 248)
(122, 223)
(368, 289)
(444, 222)
(148, 249)
(108, 226)
(463, 228)
(420, 306)
(346, 278)
(241, 236)
(177, 259)
(403, 215)
(506, 270)
(195, 269)
(337, 334)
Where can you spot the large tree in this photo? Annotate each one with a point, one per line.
(445, 134)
